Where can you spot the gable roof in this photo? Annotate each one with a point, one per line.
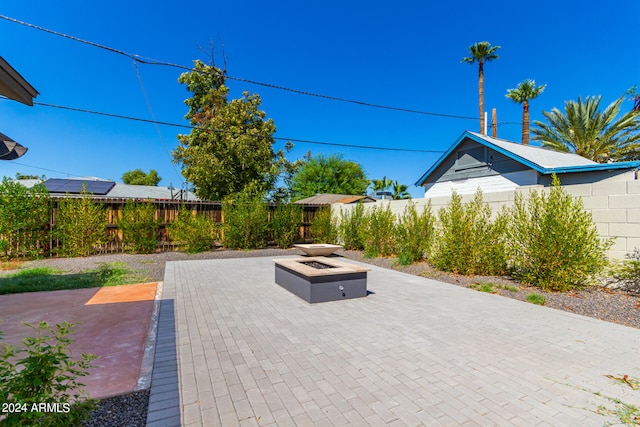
(329, 199)
(540, 159)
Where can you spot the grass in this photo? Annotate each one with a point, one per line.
(627, 414)
(508, 288)
(492, 288)
(50, 279)
(484, 287)
(10, 264)
(536, 299)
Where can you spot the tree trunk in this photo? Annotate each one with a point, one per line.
(525, 123)
(481, 94)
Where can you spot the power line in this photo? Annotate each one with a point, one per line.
(149, 61)
(161, 123)
(44, 169)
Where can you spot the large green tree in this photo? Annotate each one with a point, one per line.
(140, 177)
(522, 94)
(586, 130)
(481, 52)
(328, 174)
(230, 147)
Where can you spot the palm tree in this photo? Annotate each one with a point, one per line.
(584, 130)
(522, 94)
(481, 52)
(381, 185)
(400, 191)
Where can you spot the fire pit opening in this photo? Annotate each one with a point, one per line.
(317, 264)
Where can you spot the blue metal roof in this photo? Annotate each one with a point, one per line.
(540, 159)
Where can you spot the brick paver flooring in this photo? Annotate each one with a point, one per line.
(234, 348)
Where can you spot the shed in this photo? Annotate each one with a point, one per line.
(329, 199)
(491, 164)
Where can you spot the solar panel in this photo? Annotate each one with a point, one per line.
(74, 186)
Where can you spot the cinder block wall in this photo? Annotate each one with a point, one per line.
(615, 207)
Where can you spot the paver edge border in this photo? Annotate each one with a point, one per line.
(146, 367)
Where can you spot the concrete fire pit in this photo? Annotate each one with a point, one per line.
(318, 249)
(321, 279)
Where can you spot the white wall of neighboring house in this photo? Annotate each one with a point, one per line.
(491, 184)
(614, 205)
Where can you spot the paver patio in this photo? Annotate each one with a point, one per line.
(234, 348)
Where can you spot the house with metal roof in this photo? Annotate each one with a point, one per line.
(491, 164)
(106, 189)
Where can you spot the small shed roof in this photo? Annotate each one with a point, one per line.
(540, 159)
(329, 199)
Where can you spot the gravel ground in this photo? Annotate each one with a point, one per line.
(130, 410)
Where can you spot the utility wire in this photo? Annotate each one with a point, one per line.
(146, 97)
(161, 123)
(45, 169)
(149, 61)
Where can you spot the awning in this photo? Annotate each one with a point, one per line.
(9, 149)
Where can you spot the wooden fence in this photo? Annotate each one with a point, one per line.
(166, 213)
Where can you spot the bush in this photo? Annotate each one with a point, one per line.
(554, 243)
(351, 228)
(415, 234)
(196, 232)
(285, 224)
(246, 221)
(81, 225)
(468, 241)
(379, 233)
(139, 227)
(24, 219)
(324, 227)
(46, 374)
(628, 272)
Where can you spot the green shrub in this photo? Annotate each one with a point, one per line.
(414, 234)
(553, 241)
(139, 227)
(285, 224)
(46, 374)
(628, 272)
(379, 232)
(324, 227)
(24, 219)
(351, 228)
(195, 232)
(246, 221)
(81, 225)
(468, 241)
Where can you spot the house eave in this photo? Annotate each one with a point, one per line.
(14, 86)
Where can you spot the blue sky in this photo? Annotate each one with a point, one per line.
(404, 54)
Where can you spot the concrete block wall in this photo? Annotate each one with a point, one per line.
(615, 207)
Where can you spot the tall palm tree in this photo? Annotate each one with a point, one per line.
(522, 94)
(400, 191)
(481, 52)
(584, 130)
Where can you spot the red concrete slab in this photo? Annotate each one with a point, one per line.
(113, 324)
